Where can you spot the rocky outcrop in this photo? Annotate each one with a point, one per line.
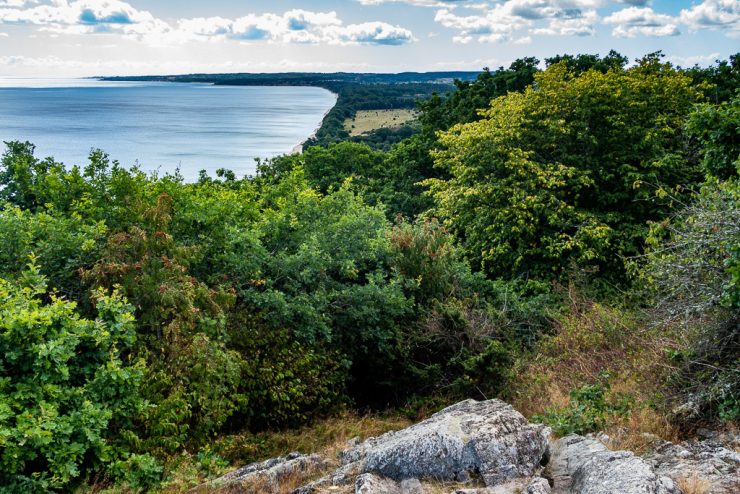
(369, 483)
(487, 438)
(585, 466)
(707, 461)
(266, 476)
(536, 485)
(489, 448)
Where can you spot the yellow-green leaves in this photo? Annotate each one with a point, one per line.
(548, 177)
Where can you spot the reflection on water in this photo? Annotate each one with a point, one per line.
(162, 126)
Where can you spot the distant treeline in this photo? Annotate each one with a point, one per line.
(307, 78)
(355, 97)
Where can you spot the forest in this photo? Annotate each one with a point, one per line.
(564, 236)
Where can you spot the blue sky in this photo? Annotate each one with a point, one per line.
(60, 38)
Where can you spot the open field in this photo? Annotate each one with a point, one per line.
(368, 120)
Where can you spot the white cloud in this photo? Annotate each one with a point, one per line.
(118, 17)
(418, 3)
(713, 14)
(16, 3)
(493, 25)
(379, 33)
(691, 60)
(295, 26)
(516, 20)
(634, 21)
(582, 25)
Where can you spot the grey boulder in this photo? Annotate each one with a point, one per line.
(486, 438)
(266, 476)
(585, 466)
(369, 483)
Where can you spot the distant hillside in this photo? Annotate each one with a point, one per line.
(308, 78)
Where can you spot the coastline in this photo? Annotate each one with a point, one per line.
(298, 148)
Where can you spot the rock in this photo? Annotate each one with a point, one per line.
(411, 486)
(487, 438)
(567, 455)
(620, 471)
(266, 476)
(536, 485)
(706, 461)
(585, 466)
(369, 483)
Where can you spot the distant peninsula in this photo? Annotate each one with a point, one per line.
(356, 92)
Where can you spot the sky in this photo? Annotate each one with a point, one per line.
(72, 38)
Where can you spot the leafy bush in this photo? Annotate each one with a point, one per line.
(182, 323)
(66, 243)
(717, 128)
(69, 390)
(589, 410)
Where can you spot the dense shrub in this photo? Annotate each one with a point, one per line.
(69, 387)
(717, 128)
(693, 273)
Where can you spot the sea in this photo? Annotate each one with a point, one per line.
(159, 126)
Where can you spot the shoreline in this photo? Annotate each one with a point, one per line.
(298, 148)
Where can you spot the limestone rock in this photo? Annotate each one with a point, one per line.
(707, 462)
(538, 486)
(585, 466)
(266, 476)
(487, 438)
(369, 483)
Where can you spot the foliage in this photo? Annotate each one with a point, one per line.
(719, 82)
(578, 64)
(589, 410)
(546, 179)
(286, 383)
(464, 104)
(717, 128)
(70, 387)
(182, 323)
(330, 167)
(692, 271)
(66, 243)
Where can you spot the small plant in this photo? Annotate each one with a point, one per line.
(210, 463)
(589, 409)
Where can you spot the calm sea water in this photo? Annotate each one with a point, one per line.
(160, 126)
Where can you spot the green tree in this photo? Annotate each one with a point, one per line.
(547, 179)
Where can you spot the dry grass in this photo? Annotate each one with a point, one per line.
(693, 484)
(637, 433)
(369, 120)
(590, 340)
(326, 437)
